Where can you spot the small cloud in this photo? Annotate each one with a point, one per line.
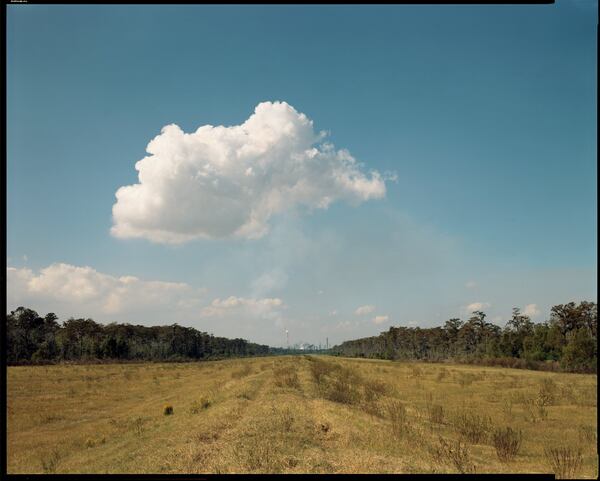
(380, 319)
(345, 325)
(363, 310)
(25, 258)
(471, 284)
(260, 308)
(333, 313)
(413, 323)
(319, 293)
(274, 280)
(531, 310)
(477, 306)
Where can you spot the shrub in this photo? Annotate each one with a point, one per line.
(565, 461)
(167, 410)
(319, 369)
(455, 453)
(416, 372)
(547, 392)
(374, 390)
(465, 379)
(342, 386)
(472, 426)
(507, 443)
(507, 406)
(137, 424)
(536, 409)
(197, 406)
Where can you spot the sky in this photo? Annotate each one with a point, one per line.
(329, 170)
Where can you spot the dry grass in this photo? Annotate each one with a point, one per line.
(309, 414)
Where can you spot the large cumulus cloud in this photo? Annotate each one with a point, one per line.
(223, 182)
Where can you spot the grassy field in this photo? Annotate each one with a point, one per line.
(304, 414)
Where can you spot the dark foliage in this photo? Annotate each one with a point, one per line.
(566, 341)
(34, 339)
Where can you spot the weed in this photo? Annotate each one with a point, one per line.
(588, 434)
(51, 460)
(456, 453)
(243, 372)
(286, 376)
(435, 412)
(399, 418)
(565, 461)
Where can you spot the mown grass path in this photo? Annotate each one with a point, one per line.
(304, 414)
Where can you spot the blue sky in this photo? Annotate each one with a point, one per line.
(485, 114)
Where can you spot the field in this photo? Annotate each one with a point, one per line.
(303, 414)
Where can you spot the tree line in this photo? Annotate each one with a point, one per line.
(31, 338)
(566, 341)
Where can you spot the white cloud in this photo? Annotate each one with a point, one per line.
(267, 308)
(346, 325)
(273, 280)
(333, 313)
(477, 306)
(413, 323)
(84, 288)
(363, 310)
(380, 319)
(471, 284)
(222, 182)
(531, 310)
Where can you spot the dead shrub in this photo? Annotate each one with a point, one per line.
(565, 461)
(507, 443)
(374, 390)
